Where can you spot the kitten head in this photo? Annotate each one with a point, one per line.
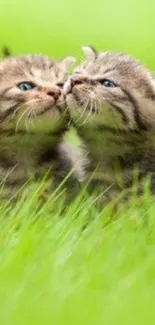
(31, 96)
(111, 90)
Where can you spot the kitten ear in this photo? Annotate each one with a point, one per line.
(67, 61)
(90, 52)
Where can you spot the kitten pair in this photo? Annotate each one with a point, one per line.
(111, 99)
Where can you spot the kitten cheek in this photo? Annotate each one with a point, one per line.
(61, 102)
(70, 100)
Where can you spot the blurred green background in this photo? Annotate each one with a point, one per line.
(61, 27)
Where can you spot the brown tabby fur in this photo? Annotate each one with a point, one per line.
(33, 122)
(117, 124)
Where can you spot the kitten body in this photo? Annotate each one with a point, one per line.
(33, 121)
(111, 98)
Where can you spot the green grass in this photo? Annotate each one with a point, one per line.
(56, 270)
(53, 269)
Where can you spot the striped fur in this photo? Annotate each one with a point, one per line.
(33, 122)
(117, 123)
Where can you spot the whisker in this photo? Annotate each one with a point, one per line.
(25, 104)
(100, 103)
(87, 101)
(95, 111)
(31, 112)
(88, 115)
(20, 118)
(27, 122)
(85, 110)
(84, 107)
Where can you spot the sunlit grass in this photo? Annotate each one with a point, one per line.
(76, 265)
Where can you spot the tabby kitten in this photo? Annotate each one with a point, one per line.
(111, 98)
(33, 120)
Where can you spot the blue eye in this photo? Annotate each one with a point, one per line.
(26, 85)
(107, 83)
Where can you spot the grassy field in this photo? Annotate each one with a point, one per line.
(53, 270)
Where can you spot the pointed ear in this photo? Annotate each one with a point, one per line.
(67, 62)
(90, 52)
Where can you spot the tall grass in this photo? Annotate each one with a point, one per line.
(76, 265)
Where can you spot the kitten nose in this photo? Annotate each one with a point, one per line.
(54, 93)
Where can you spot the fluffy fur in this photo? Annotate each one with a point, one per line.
(33, 121)
(111, 98)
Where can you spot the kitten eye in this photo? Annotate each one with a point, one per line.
(26, 85)
(107, 83)
(60, 84)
